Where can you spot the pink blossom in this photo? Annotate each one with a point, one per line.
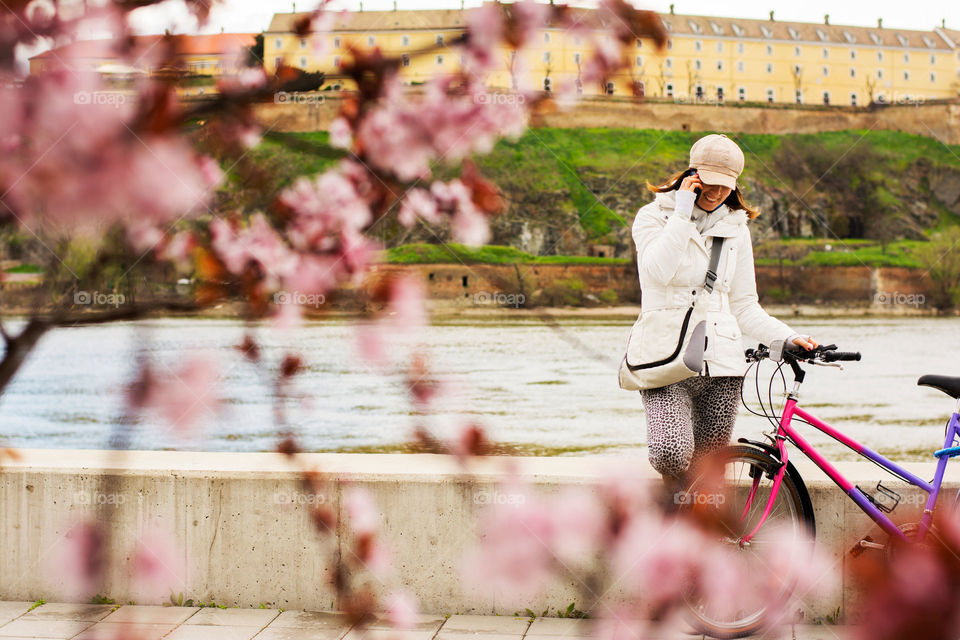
(78, 561)
(402, 320)
(341, 134)
(258, 244)
(362, 512)
(468, 223)
(402, 610)
(531, 17)
(322, 207)
(156, 567)
(182, 396)
(485, 30)
(418, 203)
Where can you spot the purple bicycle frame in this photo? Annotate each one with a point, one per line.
(787, 432)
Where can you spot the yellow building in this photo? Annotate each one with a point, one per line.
(707, 58)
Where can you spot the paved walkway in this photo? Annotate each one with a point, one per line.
(19, 620)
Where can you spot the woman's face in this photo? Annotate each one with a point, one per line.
(712, 196)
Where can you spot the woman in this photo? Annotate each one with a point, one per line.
(674, 235)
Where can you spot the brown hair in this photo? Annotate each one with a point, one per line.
(735, 200)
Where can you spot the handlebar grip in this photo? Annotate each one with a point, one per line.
(833, 356)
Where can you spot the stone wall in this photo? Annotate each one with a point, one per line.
(484, 285)
(937, 120)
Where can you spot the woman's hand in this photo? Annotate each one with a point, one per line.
(691, 183)
(806, 342)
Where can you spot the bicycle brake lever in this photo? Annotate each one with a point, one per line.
(820, 363)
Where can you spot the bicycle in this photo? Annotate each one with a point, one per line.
(761, 473)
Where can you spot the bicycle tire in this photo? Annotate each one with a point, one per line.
(792, 503)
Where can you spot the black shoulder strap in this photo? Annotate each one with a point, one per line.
(714, 262)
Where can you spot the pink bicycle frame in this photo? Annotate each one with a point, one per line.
(786, 432)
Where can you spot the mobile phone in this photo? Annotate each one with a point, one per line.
(696, 190)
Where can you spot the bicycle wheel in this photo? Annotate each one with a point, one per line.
(733, 502)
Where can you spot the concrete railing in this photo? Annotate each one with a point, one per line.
(240, 522)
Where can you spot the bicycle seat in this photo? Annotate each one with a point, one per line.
(950, 385)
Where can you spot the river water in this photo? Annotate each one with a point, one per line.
(546, 390)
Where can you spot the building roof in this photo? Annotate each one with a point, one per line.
(686, 25)
(214, 44)
(952, 34)
(807, 32)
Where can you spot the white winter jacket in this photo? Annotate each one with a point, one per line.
(672, 258)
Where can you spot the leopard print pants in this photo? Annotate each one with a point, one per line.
(688, 419)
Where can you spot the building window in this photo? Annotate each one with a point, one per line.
(440, 39)
(796, 69)
(880, 74)
(796, 51)
(826, 97)
(303, 62)
(742, 94)
(769, 95)
(933, 77)
(639, 61)
(610, 88)
(769, 67)
(371, 40)
(303, 43)
(576, 58)
(853, 99)
(697, 64)
(879, 56)
(404, 41)
(719, 46)
(740, 47)
(639, 43)
(277, 43)
(719, 65)
(906, 57)
(277, 61)
(699, 92)
(933, 59)
(546, 36)
(719, 94)
(853, 54)
(697, 45)
(336, 61)
(853, 72)
(546, 57)
(405, 60)
(798, 96)
(741, 66)
(906, 76)
(668, 63)
(769, 49)
(547, 85)
(439, 60)
(826, 71)
(826, 53)
(669, 89)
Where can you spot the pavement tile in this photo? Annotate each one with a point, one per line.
(151, 615)
(389, 634)
(558, 628)
(43, 628)
(486, 624)
(300, 633)
(68, 611)
(423, 622)
(233, 617)
(822, 632)
(311, 620)
(213, 632)
(125, 631)
(11, 610)
(474, 635)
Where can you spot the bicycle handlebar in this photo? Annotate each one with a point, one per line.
(823, 353)
(833, 356)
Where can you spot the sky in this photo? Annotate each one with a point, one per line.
(254, 15)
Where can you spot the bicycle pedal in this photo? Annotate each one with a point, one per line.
(865, 544)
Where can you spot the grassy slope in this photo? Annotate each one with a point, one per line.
(562, 160)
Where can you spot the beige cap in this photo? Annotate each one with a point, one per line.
(717, 159)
